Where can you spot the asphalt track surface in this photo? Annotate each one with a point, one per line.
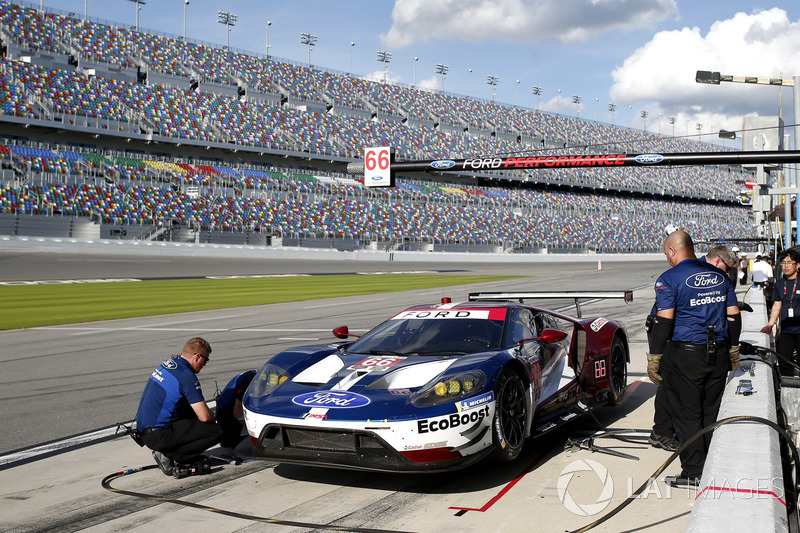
(63, 381)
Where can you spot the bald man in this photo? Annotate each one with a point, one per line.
(694, 342)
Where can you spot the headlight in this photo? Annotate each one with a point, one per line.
(269, 378)
(449, 388)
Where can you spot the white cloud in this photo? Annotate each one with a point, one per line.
(478, 21)
(762, 44)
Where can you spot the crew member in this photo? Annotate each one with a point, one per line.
(695, 337)
(173, 418)
(663, 432)
(786, 306)
(230, 412)
(762, 272)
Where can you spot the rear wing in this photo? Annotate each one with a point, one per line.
(626, 296)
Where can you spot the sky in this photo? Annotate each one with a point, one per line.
(639, 55)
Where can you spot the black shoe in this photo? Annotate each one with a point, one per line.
(165, 464)
(683, 481)
(668, 443)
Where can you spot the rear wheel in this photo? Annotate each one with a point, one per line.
(618, 371)
(510, 417)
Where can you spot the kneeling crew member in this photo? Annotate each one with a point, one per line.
(173, 418)
(697, 329)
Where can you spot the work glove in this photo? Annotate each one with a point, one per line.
(653, 366)
(734, 355)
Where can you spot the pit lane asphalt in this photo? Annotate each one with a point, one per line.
(67, 380)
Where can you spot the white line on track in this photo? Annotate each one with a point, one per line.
(339, 304)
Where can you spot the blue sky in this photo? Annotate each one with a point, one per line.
(640, 55)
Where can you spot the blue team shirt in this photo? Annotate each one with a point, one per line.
(700, 294)
(168, 394)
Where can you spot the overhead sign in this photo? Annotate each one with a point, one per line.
(378, 166)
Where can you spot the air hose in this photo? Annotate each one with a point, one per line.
(106, 483)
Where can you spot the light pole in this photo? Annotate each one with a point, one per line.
(269, 23)
(714, 78)
(672, 121)
(442, 71)
(384, 57)
(643, 114)
(516, 85)
(185, 3)
(613, 109)
(414, 83)
(699, 128)
(228, 19)
(659, 123)
(469, 81)
(576, 99)
(138, 7)
(492, 80)
(352, 44)
(538, 92)
(595, 108)
(309, 40)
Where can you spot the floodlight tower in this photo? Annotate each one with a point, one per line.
(309, 40)
(384, 57)
(185, 3)
(643, 113)
(138, 3)
(576, 99)
(228, 19)
(442, 71)
(538, 92)
(493, 81)
(613, 109)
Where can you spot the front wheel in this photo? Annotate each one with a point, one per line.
(618, 372)
(510, 417)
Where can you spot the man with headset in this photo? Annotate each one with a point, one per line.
(694, 343)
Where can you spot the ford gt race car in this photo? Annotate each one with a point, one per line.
(436, 387)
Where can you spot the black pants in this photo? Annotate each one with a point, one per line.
(662, 417)
(694, 391)
(785, 345)
(183, 440)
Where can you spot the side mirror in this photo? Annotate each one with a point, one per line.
(548, 336)
(342, 332)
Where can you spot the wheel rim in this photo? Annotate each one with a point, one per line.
(619, 371)
(512, 412)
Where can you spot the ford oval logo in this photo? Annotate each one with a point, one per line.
(331, 399)
(648, 159)
(444, 164)
(705, 280)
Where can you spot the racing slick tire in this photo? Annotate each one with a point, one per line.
(510, 418)
(617, 361)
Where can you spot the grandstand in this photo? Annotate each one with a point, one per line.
(147, 136)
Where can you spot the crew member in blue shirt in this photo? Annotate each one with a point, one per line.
(786, 306)
(694, 343)
(173, 418)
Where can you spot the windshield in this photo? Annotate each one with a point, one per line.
(431, 337)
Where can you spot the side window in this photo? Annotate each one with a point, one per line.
(522, 325)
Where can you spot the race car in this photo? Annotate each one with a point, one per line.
(436, 387)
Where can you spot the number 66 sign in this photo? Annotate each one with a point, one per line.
(377, 166)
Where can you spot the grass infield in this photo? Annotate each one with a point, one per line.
(26, 306)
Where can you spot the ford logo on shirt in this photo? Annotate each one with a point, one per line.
(331, 399)
(443, 164)
(705, 280)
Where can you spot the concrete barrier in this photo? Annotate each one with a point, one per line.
(742, 483)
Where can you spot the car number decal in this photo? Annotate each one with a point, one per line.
(598, 324)
(378, 363)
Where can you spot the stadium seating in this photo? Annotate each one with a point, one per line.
(299, 109)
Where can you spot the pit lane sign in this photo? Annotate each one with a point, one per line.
(378, 166)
